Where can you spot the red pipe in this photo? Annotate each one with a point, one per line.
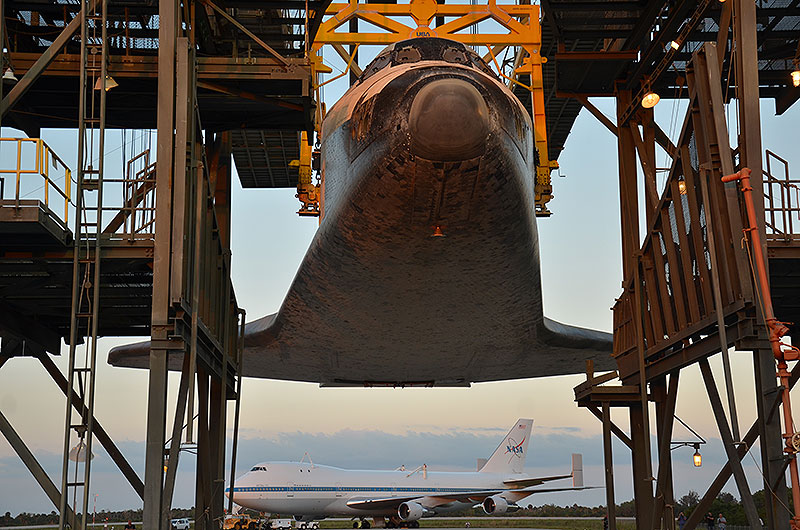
(777, 330)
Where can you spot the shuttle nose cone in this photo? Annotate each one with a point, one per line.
(449, 120)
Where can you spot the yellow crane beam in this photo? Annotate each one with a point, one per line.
(517, 25)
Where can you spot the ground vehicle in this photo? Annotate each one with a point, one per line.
(281, 524)
(313, 525)
(240, 522)
(180, 524)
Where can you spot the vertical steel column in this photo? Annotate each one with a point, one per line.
(220, 173)
(769, 431)
(642, 485)
(202, 511)
(157, 393)
(76, 248)
(2, 55)
(750, 150)
(628, 194)
(235, 443)
(629, 221)
(98, 243)
(665, 413)
(187, 170)
(608, 463)
(216, 443)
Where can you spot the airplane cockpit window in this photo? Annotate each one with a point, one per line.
(259, 468)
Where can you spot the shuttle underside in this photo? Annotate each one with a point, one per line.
(425, 267)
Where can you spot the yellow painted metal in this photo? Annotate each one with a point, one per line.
(307, 192)
(520, 27)
(43, 160)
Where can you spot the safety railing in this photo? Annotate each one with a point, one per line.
(134, 218)
(781, 200)
(38, 173)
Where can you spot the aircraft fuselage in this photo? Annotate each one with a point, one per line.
(323, 491)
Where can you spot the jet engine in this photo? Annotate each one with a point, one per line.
(496, 505)
(410, 511)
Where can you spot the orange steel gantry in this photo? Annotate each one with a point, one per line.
(518, 26)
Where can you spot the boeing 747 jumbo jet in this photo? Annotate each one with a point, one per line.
(402, 497)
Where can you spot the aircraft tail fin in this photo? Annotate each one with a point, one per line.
(509, 457)
(577, 470)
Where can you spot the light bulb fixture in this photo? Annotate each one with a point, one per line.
(697, 458)
(682, 187)
(650, 99)
(675, 45)
(9, 77)
(78, 453)
(109, 83)
(796, 76)
(437, 232)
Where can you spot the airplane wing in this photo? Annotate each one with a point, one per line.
(551, 490)
(527, 482)
(428, 501)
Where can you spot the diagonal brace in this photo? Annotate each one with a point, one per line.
(33, 466)
(246, 31)
(624, 438)
(727, 442)
(725, 473)
(102, 436)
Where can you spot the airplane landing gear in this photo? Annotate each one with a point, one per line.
(395, 522)
(363, 524)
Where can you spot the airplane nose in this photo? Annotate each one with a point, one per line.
(449, 120)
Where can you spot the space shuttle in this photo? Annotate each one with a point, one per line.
(424, 270)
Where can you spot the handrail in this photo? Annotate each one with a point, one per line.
(45, 159)
(781, 200)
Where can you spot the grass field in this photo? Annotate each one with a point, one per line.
(485, 522)
(564, 524)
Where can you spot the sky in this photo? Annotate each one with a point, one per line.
(384, 428)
